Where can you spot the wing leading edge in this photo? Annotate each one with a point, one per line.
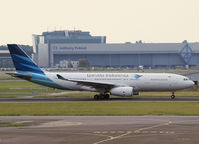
(94, 84)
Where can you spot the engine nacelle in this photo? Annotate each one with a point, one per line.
(122, 91)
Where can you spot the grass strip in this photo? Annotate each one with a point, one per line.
(99, 108)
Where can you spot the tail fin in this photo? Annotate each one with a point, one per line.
(22, 61)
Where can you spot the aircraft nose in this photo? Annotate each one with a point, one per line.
(191, 83)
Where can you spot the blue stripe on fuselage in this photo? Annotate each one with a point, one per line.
(42, 80)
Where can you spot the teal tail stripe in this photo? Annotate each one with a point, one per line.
(21, 60)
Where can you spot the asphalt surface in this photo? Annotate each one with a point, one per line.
(116, 99)
(101, 130)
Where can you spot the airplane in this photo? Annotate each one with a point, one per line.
(106, 84)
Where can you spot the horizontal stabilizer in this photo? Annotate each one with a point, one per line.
(23, 76)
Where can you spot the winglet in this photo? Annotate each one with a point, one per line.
(60, 77)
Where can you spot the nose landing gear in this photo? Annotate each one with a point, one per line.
(173, 95)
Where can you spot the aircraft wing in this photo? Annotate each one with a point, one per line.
(93, 84)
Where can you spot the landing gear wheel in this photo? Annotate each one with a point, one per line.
(96, 97)
(173, 97)
(101, 97)
(106, 96)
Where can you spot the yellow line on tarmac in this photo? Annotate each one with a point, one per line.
(129, 132)
(18, 122)
(112, 138)
(146, 128)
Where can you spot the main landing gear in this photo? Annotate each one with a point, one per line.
(173, 95)
(102, 97)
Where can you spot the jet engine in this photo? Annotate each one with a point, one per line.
(122, 91)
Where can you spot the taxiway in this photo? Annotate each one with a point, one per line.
(101, 129)
(87, 99)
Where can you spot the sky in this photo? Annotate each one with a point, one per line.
(152, 21)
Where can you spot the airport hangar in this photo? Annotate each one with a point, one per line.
(53, 47)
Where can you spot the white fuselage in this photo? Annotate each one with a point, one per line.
(139, 81)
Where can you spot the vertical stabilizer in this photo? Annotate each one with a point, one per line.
(22, 61)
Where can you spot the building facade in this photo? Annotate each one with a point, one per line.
(52, 48)
(5, 59)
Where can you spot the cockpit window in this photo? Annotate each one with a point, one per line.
(185, 79)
